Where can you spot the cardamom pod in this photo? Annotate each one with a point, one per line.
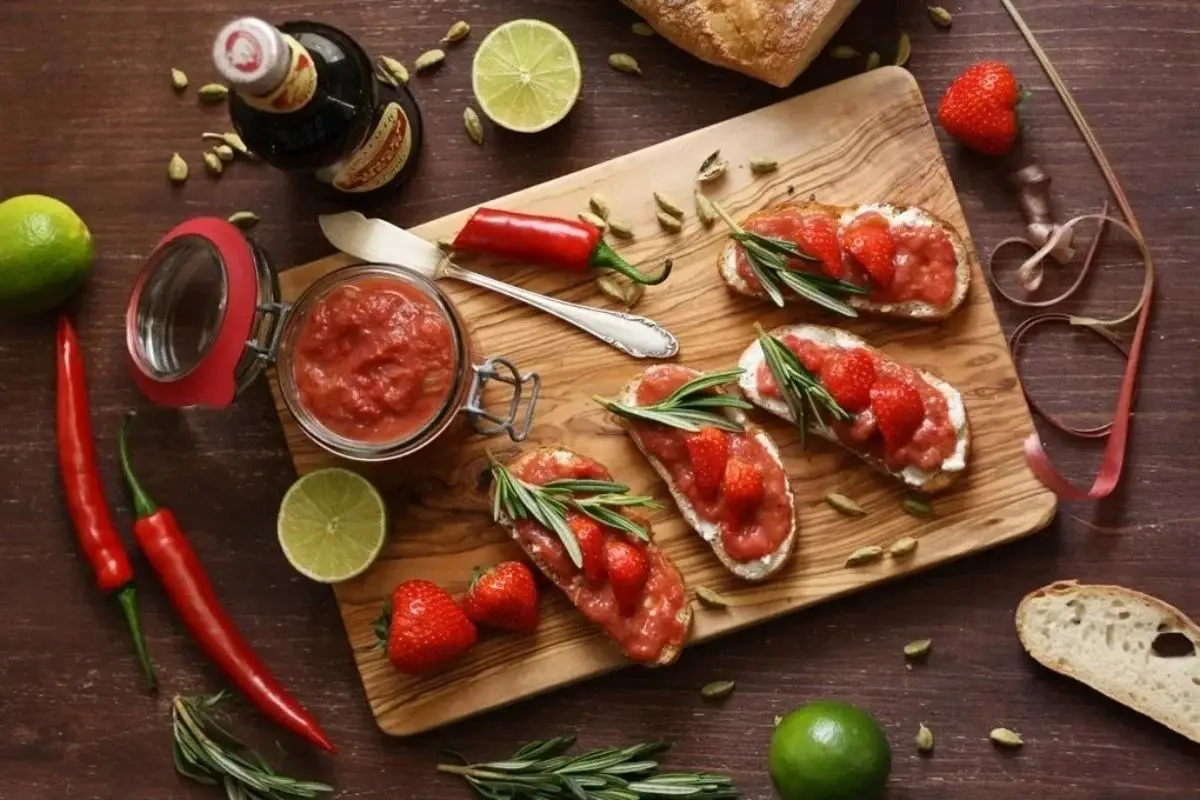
(761, 166)
(711, 598)
(611, 288)
(244, 219)
(843, 52)
(394, 68)
(213, 164)
(704, 210)
(592, 219)
(669, 223)
(385, 77)
(717, 690)
(668, 205)
(1005, 737)
(177, 169)
(864, 555)
(924, 739)
(231, 139)
(903, 49)
(619, 229)
(633, 293)
(712, 167)
(918, 649)
(472, 125)
(841, 503)
(916, 507)
(458, 31)
(179, 80)
(778, 719)
(903, 547)
(598, 203)
(641, 29)
(224, 152)
(940, 17)
(873, 62)
(428, 59)
(212, 92)
(623, 62)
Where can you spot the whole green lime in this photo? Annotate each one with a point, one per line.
(45, 253)
(829, 751)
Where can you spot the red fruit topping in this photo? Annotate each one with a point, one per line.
(591, 537)
(742, 487)
(849, 378)
(424, 628)
(818, 237)
(504, 597)
(899, 411)
(871, 245)
(628, 570)
(980, 108)
(708, 451)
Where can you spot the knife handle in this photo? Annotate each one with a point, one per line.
(637, 336)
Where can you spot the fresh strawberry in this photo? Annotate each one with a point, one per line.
(424, 628)
(870, 243)
(818, 238)
(741, 487)
(708, 451)
(628, 570)
(504, 597)
(980, 108)
(590, 536)
(849, 378)
(899, 411)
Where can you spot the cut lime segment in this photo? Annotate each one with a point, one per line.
(526, 75)
(332, 524)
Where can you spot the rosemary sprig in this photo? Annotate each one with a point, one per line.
(802, 392)
(542, 771)
(687, 407)
(209, 754)
(547, 505)
(768, 257)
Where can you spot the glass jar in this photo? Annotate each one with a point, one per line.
(206, 317)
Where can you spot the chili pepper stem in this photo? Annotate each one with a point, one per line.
(604, 257)
(142, 503)
(127, 597)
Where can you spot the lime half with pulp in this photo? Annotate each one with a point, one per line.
(526, 75)
(332, 525)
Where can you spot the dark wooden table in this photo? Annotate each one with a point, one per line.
(86, 115)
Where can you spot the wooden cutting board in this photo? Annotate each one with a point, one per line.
(866, 139)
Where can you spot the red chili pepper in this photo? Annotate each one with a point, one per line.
(188, 587)
(85, 496)
(568, 245)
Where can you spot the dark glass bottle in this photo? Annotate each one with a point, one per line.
(305, 97)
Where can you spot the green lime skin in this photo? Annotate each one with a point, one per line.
(45, 254)
(829, 750)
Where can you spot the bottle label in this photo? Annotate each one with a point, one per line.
(297, 87)
(381, 157)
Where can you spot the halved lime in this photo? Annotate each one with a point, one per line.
(526, 75)
(332, 524)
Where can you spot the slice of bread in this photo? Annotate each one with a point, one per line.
(671, 649)
(1104, 637)
(756, 570)
(925, 482)
(916, 310)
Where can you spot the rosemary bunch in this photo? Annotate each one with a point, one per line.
(542, 771)
(688, 407)
(802, 392)
(547, 505)
(207, 753)
(768, 259)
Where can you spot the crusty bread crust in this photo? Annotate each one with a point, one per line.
(773, 40)
(727, 261)
(670, 653)
(756, 570)
(1053, 641)
(933, 483)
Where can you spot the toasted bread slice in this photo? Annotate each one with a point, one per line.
(1104, 637)
(662, 568)
(926, 482)
(915, 310)
(755, 570)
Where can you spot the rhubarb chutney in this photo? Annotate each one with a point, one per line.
(657, 625)
(746, 533)
(375, 360)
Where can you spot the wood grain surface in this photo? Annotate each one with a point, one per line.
(865, 139)
(86, 114)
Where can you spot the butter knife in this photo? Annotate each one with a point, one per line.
(381, 242)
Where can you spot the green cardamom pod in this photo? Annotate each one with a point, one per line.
(224, 152)
(623, 62)
(633, 293)
(717, 690)
(394, 68)
(668, 205)
(918, 649)
(213, 164)
(472, 125)
(864, 555)
(903, 49)
(940, 17)
(842, 504)
(711, 598)
(592, 219)
(712, 167)
(179, 80)
(924, 739)
(177, 169)
(244, 219)
(843, 52)
(428, 59)
(1005, 737)
(212, 92)
(599, 205)
(611, 288)
(873, 62)
(385, 77)
(902, 547)
(669, 223)
(620, 230)
(458, 31)
(916, 507)
(761, 166)
(642, 29)
(704, 210)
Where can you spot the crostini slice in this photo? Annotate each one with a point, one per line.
(914, 264)
(588, 536)
(726, 474)
(904, 422)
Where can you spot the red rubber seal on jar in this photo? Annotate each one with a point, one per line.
(212, 381)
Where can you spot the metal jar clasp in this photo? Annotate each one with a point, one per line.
(502, 370)
(274, 312)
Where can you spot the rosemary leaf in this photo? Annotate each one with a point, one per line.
(808, 401)
(686, 407)
(709, 380)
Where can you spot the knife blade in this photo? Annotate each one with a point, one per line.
(381, 242)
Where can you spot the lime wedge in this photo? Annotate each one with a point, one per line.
(332, 525)
(526, 75)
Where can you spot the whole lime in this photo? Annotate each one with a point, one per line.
(829, 751)
(45, 253)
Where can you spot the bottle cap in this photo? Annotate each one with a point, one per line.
(252, 55)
